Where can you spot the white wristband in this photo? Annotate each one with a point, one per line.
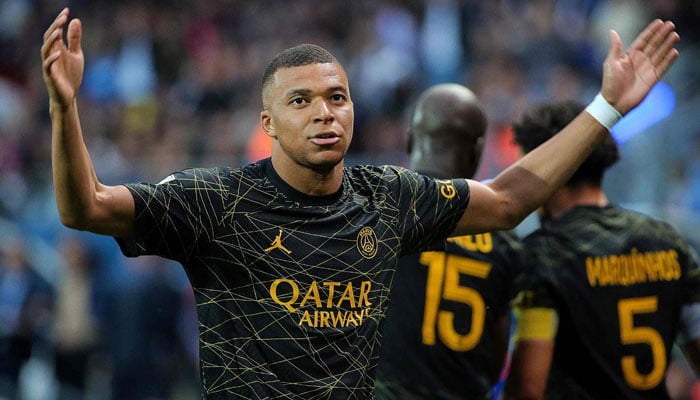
(603, 112)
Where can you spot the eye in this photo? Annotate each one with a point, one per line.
(338, 97)
(298, 101)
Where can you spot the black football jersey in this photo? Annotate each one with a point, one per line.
(438, 336)
(290, 288)
(617, 280)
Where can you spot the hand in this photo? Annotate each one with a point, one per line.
(628, 77)
(62, 66)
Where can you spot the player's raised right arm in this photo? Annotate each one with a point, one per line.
(83, 202)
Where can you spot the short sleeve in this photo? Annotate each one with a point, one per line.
(432, 210)
(172, 215)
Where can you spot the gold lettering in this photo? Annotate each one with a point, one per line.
(335, 319)
(295, 293)
(633, 268)
(347, 310)
(331, 292)
(363, 297)
(324, 319)
(361, 315)
(348, 295)
(350, 319)
(593, 270)
(312, 294)
(306, 318)
(338, 319)
(676, 265)
(482, 242)
(613, 267)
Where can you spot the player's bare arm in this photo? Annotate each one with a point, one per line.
(627, 78)
(692, 354)
(83, 202)
(527, 378)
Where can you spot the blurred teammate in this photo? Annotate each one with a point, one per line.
(291, 257)
(599, 308)
(448, 321)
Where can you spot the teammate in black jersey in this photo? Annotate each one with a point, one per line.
(600, 305)
(447, 327)
(290, 258)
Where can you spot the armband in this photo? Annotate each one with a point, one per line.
(536, 323)
(603, 112)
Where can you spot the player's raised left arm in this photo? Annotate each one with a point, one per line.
(628, 77)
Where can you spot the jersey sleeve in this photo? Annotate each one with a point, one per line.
(172, 215)
(432, 208)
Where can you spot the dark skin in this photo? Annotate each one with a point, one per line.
(692, 353)
(446, 139)
(447, 132)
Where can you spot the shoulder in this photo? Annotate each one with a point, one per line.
(365, 171)
(648, 225)
(377, 176)
(190, 176)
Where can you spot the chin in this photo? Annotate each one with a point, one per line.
(325, 164)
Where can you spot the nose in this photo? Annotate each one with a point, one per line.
(324, 112)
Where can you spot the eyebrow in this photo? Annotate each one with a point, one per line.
(306, 92)
(295, 92)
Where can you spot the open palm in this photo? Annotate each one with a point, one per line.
(628, 77)
(63, 65)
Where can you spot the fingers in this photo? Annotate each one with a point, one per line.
(49, 42)
(615, 46)
(48, 52)
(659, 46)
(54, 33)
(666, 62)
(58, 22)
(645, 37)
(74, 35)
(666, 47)
(657, 40)
(662, 41)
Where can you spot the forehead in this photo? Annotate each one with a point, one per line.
(313, 77)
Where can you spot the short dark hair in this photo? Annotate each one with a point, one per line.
(544, 120)
(297, 56)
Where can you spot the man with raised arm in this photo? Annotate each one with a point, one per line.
(303, 323)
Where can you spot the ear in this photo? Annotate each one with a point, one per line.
(267, 125)
(409, 141)
(479, 146)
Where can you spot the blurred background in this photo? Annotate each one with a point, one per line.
(171, 84)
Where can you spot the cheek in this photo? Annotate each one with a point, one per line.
(346, 118)
(288, 131)
(284, 124)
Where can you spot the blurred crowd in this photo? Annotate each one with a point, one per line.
(171, 84)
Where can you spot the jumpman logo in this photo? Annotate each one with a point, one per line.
(277, 244)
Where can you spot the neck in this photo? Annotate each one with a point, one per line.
(313, 182)
(569, 197)
(443, 168)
